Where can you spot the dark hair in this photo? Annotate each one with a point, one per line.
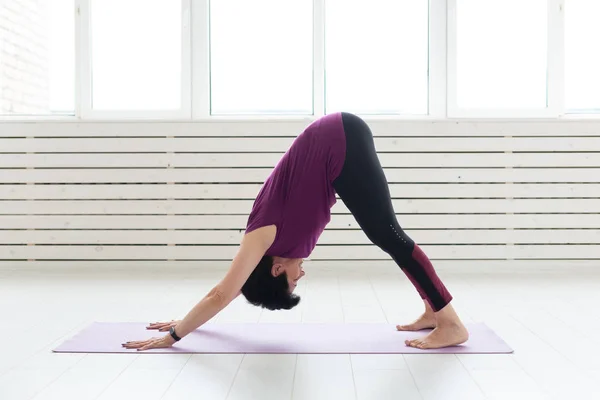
(268, 291)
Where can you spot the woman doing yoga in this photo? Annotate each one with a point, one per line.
(335, 154)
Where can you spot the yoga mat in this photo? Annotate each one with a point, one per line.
(266, 338)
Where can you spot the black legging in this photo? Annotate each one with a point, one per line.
(363, 188)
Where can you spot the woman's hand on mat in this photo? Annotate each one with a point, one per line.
(154, 343)
(162, 326)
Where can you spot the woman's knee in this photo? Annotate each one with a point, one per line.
(391, 239)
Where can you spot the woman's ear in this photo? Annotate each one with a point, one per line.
(277, 269)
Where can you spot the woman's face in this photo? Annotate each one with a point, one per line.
(292, 267)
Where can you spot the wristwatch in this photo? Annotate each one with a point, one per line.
(173, 334)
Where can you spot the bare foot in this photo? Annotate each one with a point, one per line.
(442, 336)
(448, 329)
(425, 321)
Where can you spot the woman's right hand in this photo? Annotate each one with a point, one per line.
(162, 326)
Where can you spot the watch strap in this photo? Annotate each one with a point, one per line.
(173, 334)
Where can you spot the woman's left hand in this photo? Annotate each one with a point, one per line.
(154, 343)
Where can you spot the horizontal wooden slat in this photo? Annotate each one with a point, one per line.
(551, 160)
(139, 207)
(329, 237)
(160, 191)
(249, 191)
(245, 145)
(196, 175)
(366, 252)
(108, 160)
(197, 237)
(241, 128)
(269, 160)
(124, 222)
(243, 207)
(481, 236)
(258, 175)
(270, 126)
(387, 267)
(541, 175)
(482, 252)
(408, 222)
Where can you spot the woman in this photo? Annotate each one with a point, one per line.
(335, 154)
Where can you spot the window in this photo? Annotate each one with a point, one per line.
(376, 56)
(434, 58)
(136, 52)
(261, 57)
(501, 54)
(582, 64)
(37, 57)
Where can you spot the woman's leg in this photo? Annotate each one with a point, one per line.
(363, 187)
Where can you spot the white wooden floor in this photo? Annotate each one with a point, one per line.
(551, 320)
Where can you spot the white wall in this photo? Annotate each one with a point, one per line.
(141, 193)
(24, 54)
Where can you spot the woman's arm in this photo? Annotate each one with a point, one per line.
(252, 249)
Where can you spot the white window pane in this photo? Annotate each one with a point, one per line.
(37, 57)
(261, 56)
(136, 54)
(502, 53)
(376, 56)
(582, 61)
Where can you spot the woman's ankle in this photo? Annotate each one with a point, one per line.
(447, 316)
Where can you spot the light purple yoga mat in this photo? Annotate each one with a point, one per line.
(280, 338)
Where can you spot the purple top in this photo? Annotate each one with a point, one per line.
(298, 195)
